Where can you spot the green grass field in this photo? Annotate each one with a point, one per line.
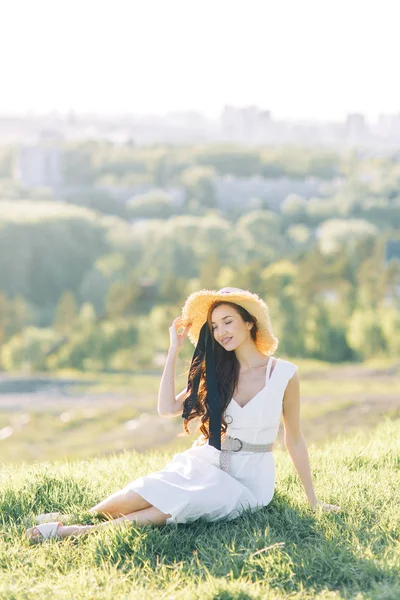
(282, 551)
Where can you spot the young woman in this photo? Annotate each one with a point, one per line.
(238, 392)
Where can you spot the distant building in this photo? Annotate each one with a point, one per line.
(356, 128)
(39, 164)
(389, 126)
(245, 124)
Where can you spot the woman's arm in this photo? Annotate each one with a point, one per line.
(296, 444)
(168, 404)
(166, 394)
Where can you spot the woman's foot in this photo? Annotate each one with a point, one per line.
(43, 532)
(55, 530)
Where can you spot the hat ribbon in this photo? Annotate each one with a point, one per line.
(205, 347)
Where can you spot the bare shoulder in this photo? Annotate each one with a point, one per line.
(288, 367)
(292, 390)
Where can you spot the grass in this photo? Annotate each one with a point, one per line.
(281, 551)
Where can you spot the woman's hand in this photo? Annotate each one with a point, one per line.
(318, 505)
(177, 339)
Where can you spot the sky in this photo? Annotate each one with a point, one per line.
(300, 59)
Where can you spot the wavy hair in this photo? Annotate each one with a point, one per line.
(227, 373)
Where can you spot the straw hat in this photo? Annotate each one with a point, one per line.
(196, 308)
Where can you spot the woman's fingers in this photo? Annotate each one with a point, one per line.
(178, 323)
(175, 322)
(176, 337)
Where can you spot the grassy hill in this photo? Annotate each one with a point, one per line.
(282, 551)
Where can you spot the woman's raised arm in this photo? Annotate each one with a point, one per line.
(168, 404)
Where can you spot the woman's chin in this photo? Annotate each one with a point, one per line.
(230, 347)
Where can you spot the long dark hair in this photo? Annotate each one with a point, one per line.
(227, 372)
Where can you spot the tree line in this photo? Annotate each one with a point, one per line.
(84, 287)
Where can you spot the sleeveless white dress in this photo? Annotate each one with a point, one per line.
(193, 486)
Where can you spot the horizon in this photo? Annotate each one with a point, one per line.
(136, 115)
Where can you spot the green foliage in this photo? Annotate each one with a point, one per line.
(14, 316)
(122, 298)
(98, 200)
(261, 230)
(365, 334)
(153, 205)
(319, 262)
(299, 163)
(66, 313)
(52, 246)
(94, 347)
(199, 184)
(27, 350)
(333, 233)
(227, 159)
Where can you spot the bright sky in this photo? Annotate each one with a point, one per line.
(298, 58)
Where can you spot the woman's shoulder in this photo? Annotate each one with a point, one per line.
(287, 367)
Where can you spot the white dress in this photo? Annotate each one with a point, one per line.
(193, 486)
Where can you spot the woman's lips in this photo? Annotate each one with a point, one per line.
(226, 341)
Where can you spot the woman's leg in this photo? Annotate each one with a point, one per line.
(121, 503)
(146, 516)
(124, 505)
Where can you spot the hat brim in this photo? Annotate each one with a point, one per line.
(197, 305)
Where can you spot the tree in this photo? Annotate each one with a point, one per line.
(333, 233)
(209, 272)
(365, 335)
(261, 234)
(53, 245)
(294, 206)
(28, 348)
(66, 314)
(199, 183)
(99, 200)
(153, 205)
(122, 298)
(323, 340)
(277, 276)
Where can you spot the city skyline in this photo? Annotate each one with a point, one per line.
(301, 61)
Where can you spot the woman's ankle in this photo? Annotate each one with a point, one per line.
(70, 530)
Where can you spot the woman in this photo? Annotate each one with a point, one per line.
(238, 391)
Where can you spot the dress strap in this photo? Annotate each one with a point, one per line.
(269, 366)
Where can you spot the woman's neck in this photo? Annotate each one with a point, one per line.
(249, 357)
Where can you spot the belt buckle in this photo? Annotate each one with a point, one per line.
(241, 445)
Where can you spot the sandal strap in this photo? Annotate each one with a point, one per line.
(48, 530)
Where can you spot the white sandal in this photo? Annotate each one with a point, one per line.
(45, 531)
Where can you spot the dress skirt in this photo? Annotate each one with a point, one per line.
(192, 486)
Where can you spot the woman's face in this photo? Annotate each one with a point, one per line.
(228, 327)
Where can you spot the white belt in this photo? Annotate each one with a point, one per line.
(230, 444)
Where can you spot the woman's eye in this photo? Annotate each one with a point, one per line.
(226, 323)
